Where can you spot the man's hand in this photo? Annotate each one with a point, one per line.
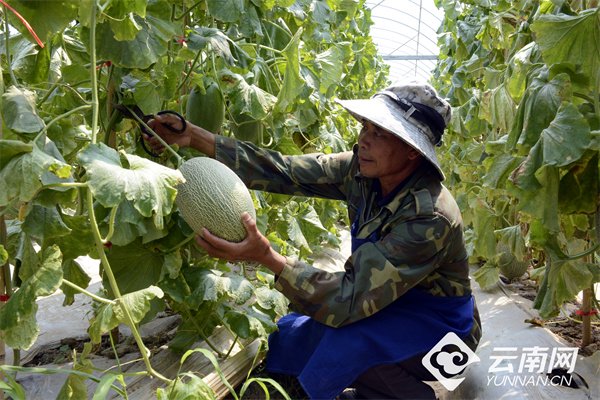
(255, 247)
(160, 124)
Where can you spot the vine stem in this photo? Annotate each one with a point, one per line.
(49, 124)
(92, 215)
(88, 293)
(115, 288)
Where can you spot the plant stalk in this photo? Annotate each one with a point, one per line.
(586, 318)
(93, 222)
(88, 293)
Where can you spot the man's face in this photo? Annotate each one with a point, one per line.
(383, 155)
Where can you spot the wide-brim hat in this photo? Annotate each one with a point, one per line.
(413, 111)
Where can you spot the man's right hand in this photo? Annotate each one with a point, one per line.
(160, 124)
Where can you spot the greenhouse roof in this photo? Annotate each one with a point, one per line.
(405, 33)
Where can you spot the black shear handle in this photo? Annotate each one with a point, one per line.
(169, 126)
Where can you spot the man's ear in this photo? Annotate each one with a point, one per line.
(413, 154)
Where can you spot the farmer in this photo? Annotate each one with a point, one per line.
(362, 332)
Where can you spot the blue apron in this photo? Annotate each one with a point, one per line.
(326, 360)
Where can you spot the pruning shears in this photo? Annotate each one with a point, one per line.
(136, 113)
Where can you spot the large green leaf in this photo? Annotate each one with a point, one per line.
(148, 185)
(565, 279)
(579, 188)
(110, 316)
(24, 175)
(212, 285)
(19, 111)
(12, 148)
(571, 38)
(513, 237)
(217, 41)
(566, 139)
(135, 266)
(247, 98)
(44, 223)
(562, 143)
(226, 10)
(187, 386)
(46, 17)
(331, 65)
(293, 84)
(249, 322)
(270, 299)
(73, 272)
(142, 51)
(17, 318)
(540, 200)
(538, 108)
(79, 241)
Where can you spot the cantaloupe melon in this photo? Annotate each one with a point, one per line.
(509, 265)
(213, 197)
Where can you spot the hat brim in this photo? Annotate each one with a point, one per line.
(382, 112)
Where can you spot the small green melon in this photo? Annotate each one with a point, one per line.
(509, 265)
(213, 197)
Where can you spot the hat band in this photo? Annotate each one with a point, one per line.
(422, 113)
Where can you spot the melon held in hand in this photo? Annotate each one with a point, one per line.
(213, 197)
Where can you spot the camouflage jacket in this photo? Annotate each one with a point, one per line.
(420, 233)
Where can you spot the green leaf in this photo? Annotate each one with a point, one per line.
(295, 234)
(148, 185)
(541, 202)
(79, 241)
(226, 10)
(17, 318)
(45, 17)
(138, 303)
(12, 148)
(141, 52)
(498, 169)
(293, 83)
(248, 99)
(538, 108)
(3, 255)
(502, 109)
(566, 139)
(571, 38)
(110, 316)
(45, 223)
(212, 285)
(565, 280)
(187, 386)
(24, 175)
(202, 37)
(487, 276)
(19, 111)
(249, 322)
(513, 237)
(271, 299)
(562, 143)
(135, 266)
(104, 386)
(331, 66)
(579, 188)
(73, 272)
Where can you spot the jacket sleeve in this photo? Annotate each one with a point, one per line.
(316, 175)
(375, 275)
